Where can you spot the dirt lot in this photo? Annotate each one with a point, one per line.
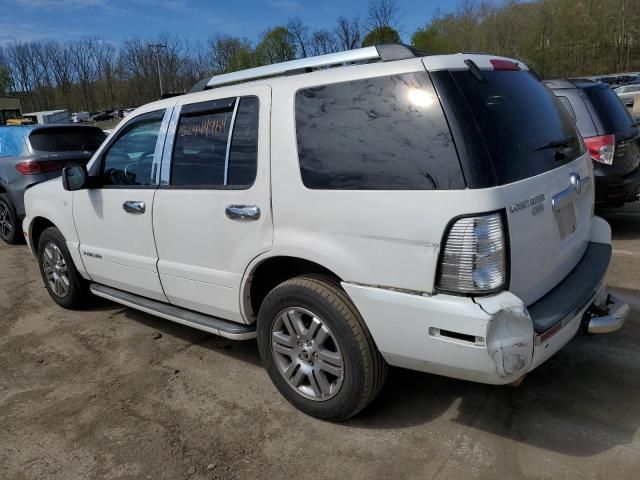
(113, 393)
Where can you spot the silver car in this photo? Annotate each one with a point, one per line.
(627, 93)
(30, 154)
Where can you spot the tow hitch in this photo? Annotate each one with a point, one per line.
(605, 318)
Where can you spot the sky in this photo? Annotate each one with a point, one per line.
(116, 20)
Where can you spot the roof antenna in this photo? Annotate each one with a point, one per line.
(475, 70)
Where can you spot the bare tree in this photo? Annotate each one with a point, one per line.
(348, 33)
(382, 13)
(300, 33)
(223, 50)
(323, 41)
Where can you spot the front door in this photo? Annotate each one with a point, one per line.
(114, 220)
(212, 216)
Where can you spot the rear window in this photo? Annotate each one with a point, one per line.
(65, 139)
(612, 113)
(385, 133)
(521, 128)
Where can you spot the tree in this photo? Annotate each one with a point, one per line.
(382, 13)
(276, 45)
(300, 33)
(5, 79)
(226, 52)
(380, 36)
(348, 33)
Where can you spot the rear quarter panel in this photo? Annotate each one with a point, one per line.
(382, 238)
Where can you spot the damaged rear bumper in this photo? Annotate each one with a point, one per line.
(493, 340)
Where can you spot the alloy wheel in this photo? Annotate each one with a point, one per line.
(307, 354)
(55, 270)
(6, 226)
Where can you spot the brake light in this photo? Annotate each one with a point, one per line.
(602, 148)
(499, 64)
(474, 256)
(34, 167)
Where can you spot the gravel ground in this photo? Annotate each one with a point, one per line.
(113, 393)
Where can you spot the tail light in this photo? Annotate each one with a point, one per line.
(602, 148)
(34, 167)
(474, 256)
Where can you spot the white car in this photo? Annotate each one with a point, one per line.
(352, 211)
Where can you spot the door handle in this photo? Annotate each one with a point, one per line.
(243, 212)
(134, 206)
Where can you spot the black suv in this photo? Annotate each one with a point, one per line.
(610, 134)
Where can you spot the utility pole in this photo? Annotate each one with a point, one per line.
(157, 47)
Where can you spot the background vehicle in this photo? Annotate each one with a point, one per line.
(611, 135)
(9, 109)
(32, 154)
(79, 117)
(628, 92)
(51, 117)
(383, 207)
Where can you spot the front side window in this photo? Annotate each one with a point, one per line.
(129, 159)
(385, 133)
(206, 155)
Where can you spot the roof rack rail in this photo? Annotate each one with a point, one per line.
(384, 53)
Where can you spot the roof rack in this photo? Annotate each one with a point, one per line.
(384, 53)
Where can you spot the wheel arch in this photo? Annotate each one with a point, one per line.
(266, 273)
(36, 227)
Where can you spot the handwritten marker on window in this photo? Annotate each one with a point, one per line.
(420, 98)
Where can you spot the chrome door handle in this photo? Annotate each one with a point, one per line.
(243, 212)
(134, 206)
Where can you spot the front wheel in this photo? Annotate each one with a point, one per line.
(65, 285)
(317, 349)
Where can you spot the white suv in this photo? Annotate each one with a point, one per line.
(352, 211)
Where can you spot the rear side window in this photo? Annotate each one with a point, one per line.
(522, 125)
(66, 139)
(574, 103)
(612, 113)
(204, 153)
(386, 133)
(11, 141)
(566, 104)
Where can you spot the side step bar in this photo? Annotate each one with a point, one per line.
(207, 323)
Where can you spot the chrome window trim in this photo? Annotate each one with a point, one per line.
(227, 155)
(158, 154)
(167, 152)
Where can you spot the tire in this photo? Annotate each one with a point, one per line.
(54, 256)
(331, 332)
(10, 228)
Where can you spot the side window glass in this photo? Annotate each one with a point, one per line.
(565, 102)
(129, 159)
(200, 149)
(383, 133)
(202, 140)
(243, 155)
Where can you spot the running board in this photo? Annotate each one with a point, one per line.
(207, 323)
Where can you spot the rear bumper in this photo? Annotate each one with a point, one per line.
(616, 190)
(493, 340)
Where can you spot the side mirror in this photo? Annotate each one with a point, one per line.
(75, 178)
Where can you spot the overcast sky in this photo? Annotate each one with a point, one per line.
(115, 20)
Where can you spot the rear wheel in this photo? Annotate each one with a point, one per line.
(65, 285)
(10, 229)
(317, 350)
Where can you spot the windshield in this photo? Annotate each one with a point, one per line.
(521, 128)
(66, 139)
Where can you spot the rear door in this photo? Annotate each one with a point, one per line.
(212, 213)
(514, 134)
